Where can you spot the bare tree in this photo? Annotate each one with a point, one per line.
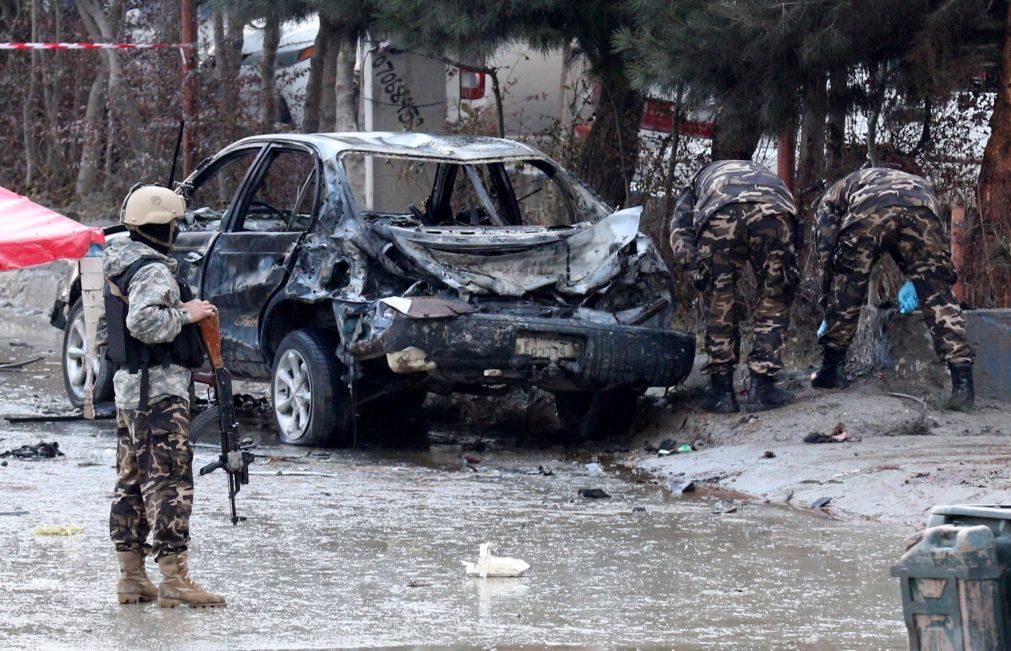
(345, 104)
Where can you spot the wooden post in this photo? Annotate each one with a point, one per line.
(958, 240)
(787, 157)
(188, 21)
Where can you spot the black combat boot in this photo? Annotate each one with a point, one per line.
(963, 395)
(764, 394)
(832, 374)
(721, 398)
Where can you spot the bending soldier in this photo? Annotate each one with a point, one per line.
(874, 211)
(148, 313)
(733, 212)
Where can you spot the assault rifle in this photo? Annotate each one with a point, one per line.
(234, 459)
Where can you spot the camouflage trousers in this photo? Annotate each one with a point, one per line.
(154, 487)
(736, 235)
(915, 238)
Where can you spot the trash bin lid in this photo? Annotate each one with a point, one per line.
(994, 511)
(996, 516)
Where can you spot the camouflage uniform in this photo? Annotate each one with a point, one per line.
(879, 210)
(733, 212)
(154, 488)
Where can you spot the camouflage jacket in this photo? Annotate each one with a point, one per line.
(716, 186)
(155, 316)
(860, 195)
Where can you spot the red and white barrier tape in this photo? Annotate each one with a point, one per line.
(94, 46)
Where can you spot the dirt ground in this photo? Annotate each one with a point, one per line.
(902, 457)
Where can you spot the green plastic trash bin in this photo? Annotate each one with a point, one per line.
(954, 580)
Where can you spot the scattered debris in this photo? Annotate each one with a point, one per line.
(725, 506)
(544, 470)
(594, 469)
(638, 509)
(58, 530)
(768, 454)
(20, 364)
(494, 566)
(416, 583)
(680, 487)
(13, 513)
(471, 459)
(837, 435)
(821, 502)
(649, 447)
(41, 450)
(923, 403)
(684, 447)
(593, 493)
(667, 446)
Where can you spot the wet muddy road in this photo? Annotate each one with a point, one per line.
(363, 548)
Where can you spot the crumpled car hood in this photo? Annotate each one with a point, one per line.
(514, 261)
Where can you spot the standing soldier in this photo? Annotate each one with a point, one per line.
(733, 212)
(874, 211)
(154, 347)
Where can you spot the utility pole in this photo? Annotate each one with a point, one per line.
(188, 22)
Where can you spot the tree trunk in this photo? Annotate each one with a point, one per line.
(268, 87)
(876, 85)
(995, 196)
(835, 136)
(737, 130)
(328, 95)
(611, 152)
(346, 108)
(812, 137)
(229, 60)
(314, 86)
(91, 151)
(28, 133)
(56, 161)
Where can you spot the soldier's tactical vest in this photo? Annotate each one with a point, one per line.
(126, 351)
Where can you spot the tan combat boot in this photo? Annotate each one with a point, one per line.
(134, 586)
(178, 588)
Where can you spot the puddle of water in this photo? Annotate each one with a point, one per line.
(330, 560)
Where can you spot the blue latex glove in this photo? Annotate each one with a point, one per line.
(822, 329)
(908, 301)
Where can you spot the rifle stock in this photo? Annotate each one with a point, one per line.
(210, 331)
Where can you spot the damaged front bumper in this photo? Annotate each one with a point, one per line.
(493, 349)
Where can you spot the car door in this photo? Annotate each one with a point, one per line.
(211, 196)
(252, 256)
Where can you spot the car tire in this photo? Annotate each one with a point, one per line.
(312, 405)
(74, 360)
(588, 415)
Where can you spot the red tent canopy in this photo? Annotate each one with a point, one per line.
(31, 234)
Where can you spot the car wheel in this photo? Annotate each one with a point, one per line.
(312, 406)
(596, 414)
(75, 358)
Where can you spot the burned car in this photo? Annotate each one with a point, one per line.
(360, 271)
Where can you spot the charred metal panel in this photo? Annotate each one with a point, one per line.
(242, 273)
(553, 354)
(514, 261)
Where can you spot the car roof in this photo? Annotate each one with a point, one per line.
(462, 149)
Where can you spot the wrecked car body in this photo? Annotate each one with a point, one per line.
(351, 269)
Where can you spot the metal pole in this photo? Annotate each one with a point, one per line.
(188, 22)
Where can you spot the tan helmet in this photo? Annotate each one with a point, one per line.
(151, 204)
